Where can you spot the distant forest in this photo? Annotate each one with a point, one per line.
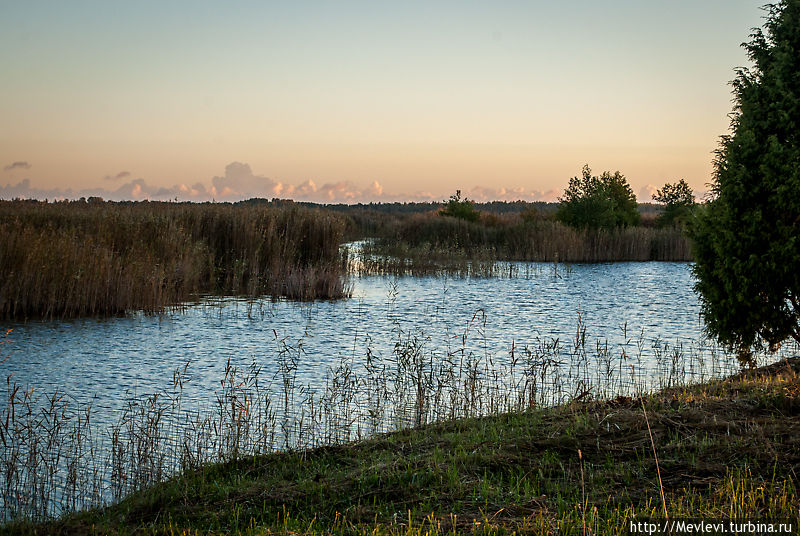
(493, 207)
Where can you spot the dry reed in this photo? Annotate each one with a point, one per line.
(429, 236)
(71, 259)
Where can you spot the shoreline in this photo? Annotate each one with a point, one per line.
(726, 449)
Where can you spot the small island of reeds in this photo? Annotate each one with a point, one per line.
(97, 258)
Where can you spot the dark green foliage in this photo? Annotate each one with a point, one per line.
(747, 240)
(678, 200)
(603, 202)
(461, 209)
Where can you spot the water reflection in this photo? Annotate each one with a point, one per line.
(101, 360)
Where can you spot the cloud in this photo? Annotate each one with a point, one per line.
(139, 189)
(551, 196)
(21, 189)
(375, 189)
(24, 190)
(487, 193)
(17, 165)
(704, 196)
(646, 193)
(118, 176)
(240, 182)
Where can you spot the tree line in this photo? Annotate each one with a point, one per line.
(596, 202)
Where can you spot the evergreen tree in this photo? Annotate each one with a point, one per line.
(747, 240)
(463, 209)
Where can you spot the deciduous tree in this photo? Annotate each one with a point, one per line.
(678, 200)
(596, 202)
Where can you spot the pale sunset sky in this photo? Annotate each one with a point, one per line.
(362, 101)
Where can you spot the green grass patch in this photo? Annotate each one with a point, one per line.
(727, 449)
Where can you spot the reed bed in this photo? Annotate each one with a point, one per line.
(369, 258)
(70, 259)
(95, 258)
(421, 237)
(56, 459)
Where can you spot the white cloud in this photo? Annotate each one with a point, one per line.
(375, 189)
(486, 193)
(646, 193)
(239, 182)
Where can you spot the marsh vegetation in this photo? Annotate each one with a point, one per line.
(96, 258)
(62, 453)
(723, 451)
(67, 259)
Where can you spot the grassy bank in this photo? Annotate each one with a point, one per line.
(726, 449)
(81, 258)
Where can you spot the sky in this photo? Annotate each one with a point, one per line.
(362, 101)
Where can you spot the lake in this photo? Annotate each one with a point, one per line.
(101, 359)
(236, 375)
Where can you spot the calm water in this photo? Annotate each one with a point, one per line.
(100, 360)
(400, 352)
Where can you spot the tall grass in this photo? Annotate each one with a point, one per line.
(512, 238)
(56, 459)
(81, 258)
(76, 258)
